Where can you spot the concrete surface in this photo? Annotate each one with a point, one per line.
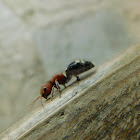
(40, 38)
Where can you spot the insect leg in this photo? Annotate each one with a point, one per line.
(52, 91)
(64, 85)
(58, 87)
(77, 78)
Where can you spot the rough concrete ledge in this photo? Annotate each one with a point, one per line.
(104, 105)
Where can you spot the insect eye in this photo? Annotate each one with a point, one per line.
(45, 88)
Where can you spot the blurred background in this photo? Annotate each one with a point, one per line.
(40, 38)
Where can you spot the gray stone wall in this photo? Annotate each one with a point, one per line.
(40, 38)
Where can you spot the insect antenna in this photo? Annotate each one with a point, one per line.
(33, 103)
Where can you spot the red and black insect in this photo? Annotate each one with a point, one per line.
(74, 69)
